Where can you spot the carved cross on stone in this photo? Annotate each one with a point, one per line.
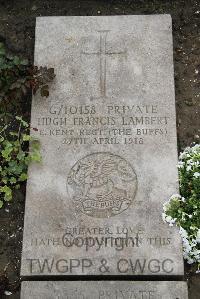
(102, 54)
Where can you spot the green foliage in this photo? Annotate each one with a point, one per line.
(15, 156)
(17, 148)
(18, 78)
(184, 209)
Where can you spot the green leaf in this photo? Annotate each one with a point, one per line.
(20, 155)
(15, 168)
(7, 151)
(23, 177)
(16, 60)
(26, 137)
(35, 156)
(13, 133)
(35, 144)
(17, 144)
(24, 62)
(4, 180)
(24, 123)
(2, 63)
(1, 204)
(13, 180)
(7, 191)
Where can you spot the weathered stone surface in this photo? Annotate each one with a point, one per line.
(108, 142)
(104, 290)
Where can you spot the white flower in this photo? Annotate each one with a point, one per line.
(190, 261)
(198, 236)
(187, 248)
(166, 206)
(196, 252)
(175, 196)
(196, 175)
(190, 251)
(192, 227)
(7, 293)
(182, 156)
(168, 218)
(194, 243)
(189, 165)
(181, 164)
(191, 162)
(183, 199)
(196, 147)
(163, 217)
(183, 232)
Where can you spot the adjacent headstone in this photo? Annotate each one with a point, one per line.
(104, 290)
(109, 153)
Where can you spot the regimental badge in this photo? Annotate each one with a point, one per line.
(102, 184)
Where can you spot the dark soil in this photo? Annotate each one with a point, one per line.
(17, 25)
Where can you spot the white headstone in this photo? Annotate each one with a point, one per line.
(109, 153)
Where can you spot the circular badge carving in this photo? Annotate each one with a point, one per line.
(102, 184)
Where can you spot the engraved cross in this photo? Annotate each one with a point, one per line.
(102, 54)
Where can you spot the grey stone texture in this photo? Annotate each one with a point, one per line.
(104, 290)
(109, 151)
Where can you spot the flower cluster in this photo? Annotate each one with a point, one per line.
(184, 210)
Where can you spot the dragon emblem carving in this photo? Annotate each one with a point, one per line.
(102, 184)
